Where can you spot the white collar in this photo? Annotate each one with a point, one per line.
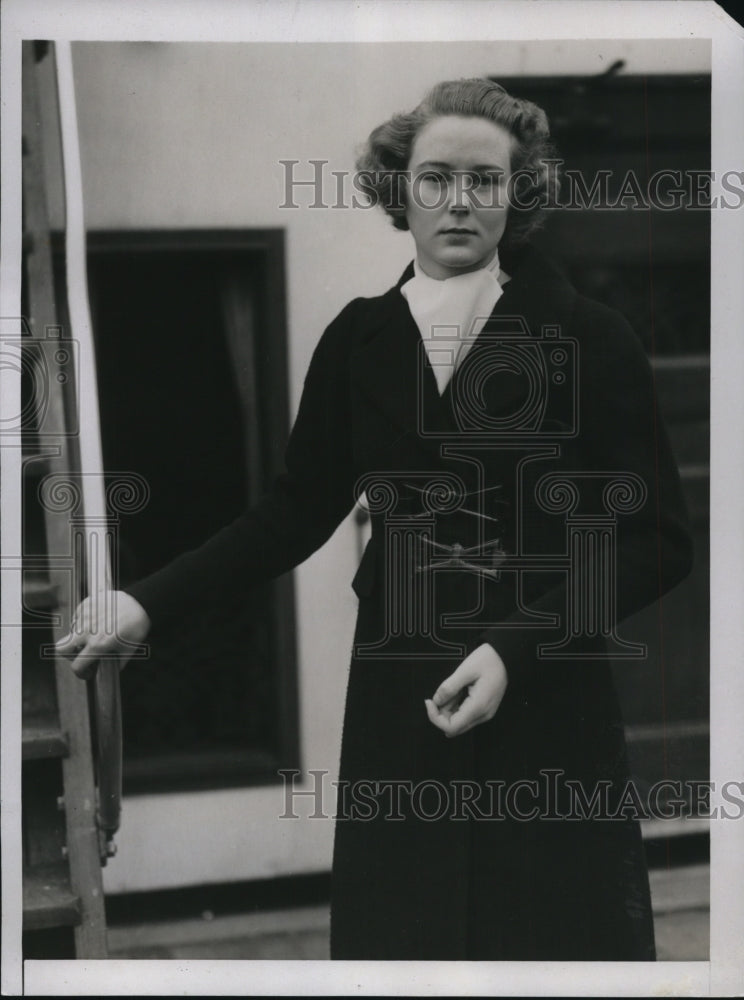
(451, 312)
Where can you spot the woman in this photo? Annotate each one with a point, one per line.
(523, 499)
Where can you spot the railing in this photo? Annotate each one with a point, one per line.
(106, 705)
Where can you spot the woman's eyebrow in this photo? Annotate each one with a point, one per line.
(442, 165)
(435, 163)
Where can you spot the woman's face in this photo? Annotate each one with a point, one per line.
(456, 201)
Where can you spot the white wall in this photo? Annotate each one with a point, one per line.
(191, 135)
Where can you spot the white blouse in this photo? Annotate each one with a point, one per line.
(451, 312)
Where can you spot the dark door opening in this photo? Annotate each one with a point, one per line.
(191, 357)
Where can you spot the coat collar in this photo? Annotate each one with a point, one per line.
(391, 367)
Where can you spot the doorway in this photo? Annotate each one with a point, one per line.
(191, 355)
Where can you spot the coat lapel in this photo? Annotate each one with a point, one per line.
(392, 370)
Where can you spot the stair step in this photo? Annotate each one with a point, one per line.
(48, 900)
(43, 740)
(682, 888)
(39, 595)
(679, 750)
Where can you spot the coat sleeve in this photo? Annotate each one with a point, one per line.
(301, 510)
(620, 431)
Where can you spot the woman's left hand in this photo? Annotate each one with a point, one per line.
(471, 695)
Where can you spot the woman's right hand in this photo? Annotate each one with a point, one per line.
(106, 624)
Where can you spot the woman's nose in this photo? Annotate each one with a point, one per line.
(459, 202)
(458, 196)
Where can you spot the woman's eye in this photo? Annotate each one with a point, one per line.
(434, 177)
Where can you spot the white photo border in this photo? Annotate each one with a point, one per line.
(421, 20)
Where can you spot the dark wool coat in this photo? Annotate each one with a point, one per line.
(533, 506)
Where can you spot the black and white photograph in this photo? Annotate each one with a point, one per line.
(371, 453)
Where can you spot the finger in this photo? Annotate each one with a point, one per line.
(450, 692)
(65, 642)
(452, 686)
(459, 727)
(444, 721)
(431, 710)
(69, 644)
(468, 715)
(85, 663)
(448, 707)
(435, 716)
